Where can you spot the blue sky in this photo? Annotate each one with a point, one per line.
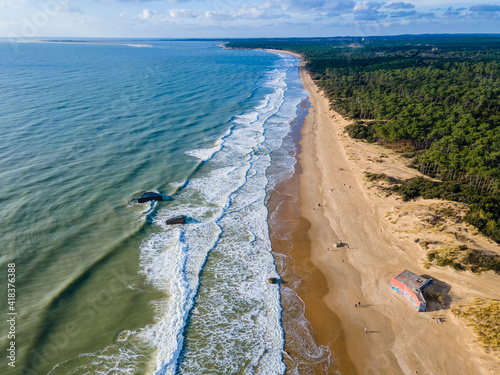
(242, 18)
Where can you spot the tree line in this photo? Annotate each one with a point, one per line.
(436, 98)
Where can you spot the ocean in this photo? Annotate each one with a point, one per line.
(103, 284)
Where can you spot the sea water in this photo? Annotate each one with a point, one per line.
(101, 286)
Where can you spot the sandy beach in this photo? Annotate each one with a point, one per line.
(383, 236)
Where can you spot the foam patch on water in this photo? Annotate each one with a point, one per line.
(123, 359)
(205, 154)
(301, 341)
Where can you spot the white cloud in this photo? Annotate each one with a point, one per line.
(9, 3)
(213, 15)
(146, 14)
(363, 6)
(246, 12)
(337, 8)
(399, 5)
(367, 11)
(70, 8)
(182, 13)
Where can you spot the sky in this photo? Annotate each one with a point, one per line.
(22, 19)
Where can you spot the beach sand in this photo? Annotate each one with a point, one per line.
(384, 236)
(303, 284)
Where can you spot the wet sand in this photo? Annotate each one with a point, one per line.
(303, 284)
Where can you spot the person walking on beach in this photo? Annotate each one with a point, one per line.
(366, 330)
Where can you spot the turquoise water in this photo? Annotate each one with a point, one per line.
(102, 287)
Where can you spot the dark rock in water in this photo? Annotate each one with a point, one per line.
(122, 336)
(273, 280)
(150, 196)
(176, 220)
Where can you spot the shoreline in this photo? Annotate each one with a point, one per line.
(302, 283)
(304, 286)
(340, 205)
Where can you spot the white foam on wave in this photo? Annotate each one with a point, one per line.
(227, 206)
(229, 217)
(227, 224)
(301, 341)
(205, 154)
(123, 359)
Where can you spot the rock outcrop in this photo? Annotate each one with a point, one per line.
(176, 220)
(150, 196)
